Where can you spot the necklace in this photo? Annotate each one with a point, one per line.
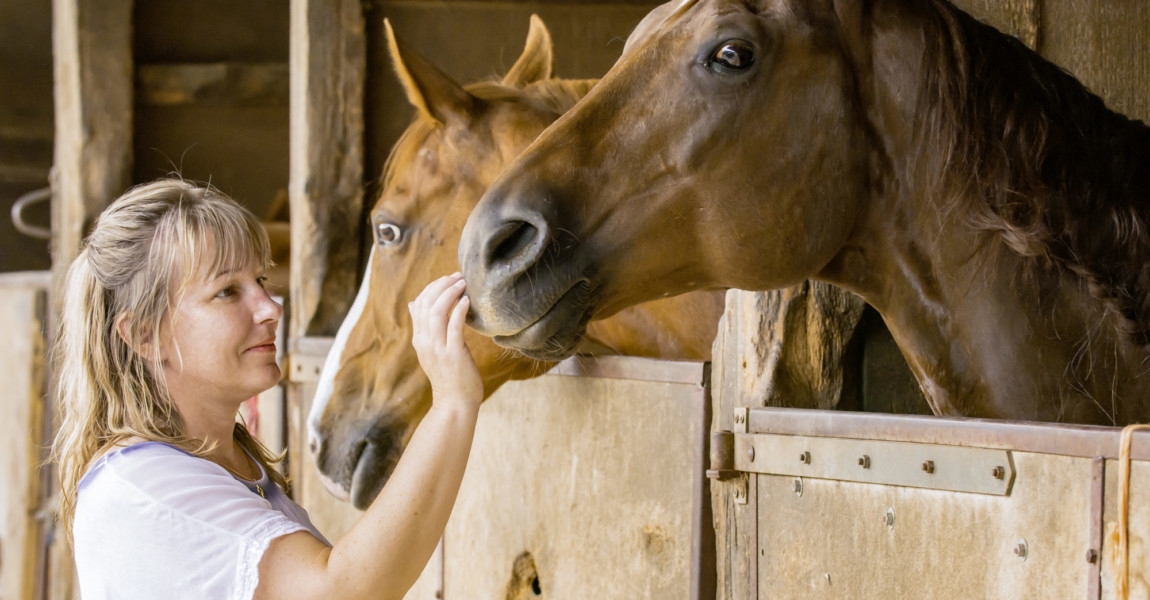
(259, 490)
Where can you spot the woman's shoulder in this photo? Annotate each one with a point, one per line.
(155, 478)
(158, 471)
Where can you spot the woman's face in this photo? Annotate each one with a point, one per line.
(220, 345)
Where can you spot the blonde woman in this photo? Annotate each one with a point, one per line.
(166, 328)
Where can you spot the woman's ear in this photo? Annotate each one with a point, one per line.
(143, 347)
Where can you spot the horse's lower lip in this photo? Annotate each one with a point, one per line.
(555, 334)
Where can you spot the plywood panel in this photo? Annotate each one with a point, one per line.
(832, 540)
(592, 478)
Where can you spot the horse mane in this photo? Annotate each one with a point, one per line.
(1038, 158)
(557, 95)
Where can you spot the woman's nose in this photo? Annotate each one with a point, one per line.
(268, 309)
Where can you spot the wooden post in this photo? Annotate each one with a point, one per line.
(92, 66)
(92, 49)
(328, 58)
(325, 191)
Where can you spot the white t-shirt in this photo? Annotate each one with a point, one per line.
(153, 521)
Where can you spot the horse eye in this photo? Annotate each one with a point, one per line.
(387, 234)
(735, 55)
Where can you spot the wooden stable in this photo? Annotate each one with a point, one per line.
(328, 110)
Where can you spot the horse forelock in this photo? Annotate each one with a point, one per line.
(557, 95)
(1037, 158)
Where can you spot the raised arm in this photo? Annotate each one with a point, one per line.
(384, 553)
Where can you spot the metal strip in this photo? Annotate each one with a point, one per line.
(304, 368)
(1083, 441)
(951, 468)
(1096, 516)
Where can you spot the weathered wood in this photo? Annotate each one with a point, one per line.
(230, 84)
(736, 524)
(22, 316)
(1020, 18)
(92, 56)
(328, 48)
(1103, 44)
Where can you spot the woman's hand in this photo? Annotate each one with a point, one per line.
(437, 317)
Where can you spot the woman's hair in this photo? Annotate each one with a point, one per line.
(135, 264)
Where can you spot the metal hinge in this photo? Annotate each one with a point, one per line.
(930, 466)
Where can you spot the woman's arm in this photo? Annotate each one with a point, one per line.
(384, 553)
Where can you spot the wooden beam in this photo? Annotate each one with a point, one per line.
(213, 84)
(328, 58)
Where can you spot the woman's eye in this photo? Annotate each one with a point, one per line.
(735, 55)
(226, 292)
(262, 281)
(387, 234)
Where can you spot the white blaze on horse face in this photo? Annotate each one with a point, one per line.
(326, 386)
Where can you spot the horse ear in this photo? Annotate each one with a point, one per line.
(435, 95)
(535, 62)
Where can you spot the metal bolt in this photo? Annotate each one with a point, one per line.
(1092, 556)
(888, 518)
(751, 453)
(998, 472)
(864, 461)
(928, 466)
(1021, 550)
(797, 486)
(805, 458)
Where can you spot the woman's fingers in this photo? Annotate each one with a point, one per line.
(440, 310)
(458, 318)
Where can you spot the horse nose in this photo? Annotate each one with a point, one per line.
(500, 244)
(514, 246)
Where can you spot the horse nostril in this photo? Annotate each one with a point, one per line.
(513, 243)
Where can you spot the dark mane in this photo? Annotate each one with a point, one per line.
(557, 95)
(1046, 165)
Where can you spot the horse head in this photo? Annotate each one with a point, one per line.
(372, 392)
(979, 197)
(635, 194)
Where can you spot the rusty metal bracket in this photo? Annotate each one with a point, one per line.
(930, 466)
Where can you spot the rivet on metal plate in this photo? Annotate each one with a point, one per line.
(797, 486)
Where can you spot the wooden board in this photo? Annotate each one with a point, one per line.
(22, 314)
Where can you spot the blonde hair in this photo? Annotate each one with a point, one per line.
(142, 252)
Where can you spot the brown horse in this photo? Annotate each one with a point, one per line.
(988, 205)
(372, 392)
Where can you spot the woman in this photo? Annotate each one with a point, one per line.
(166, 328)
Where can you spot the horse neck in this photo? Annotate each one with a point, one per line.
(991, 334)
(987, 332)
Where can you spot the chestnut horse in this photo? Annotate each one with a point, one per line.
(372, 392)
(980, 198)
